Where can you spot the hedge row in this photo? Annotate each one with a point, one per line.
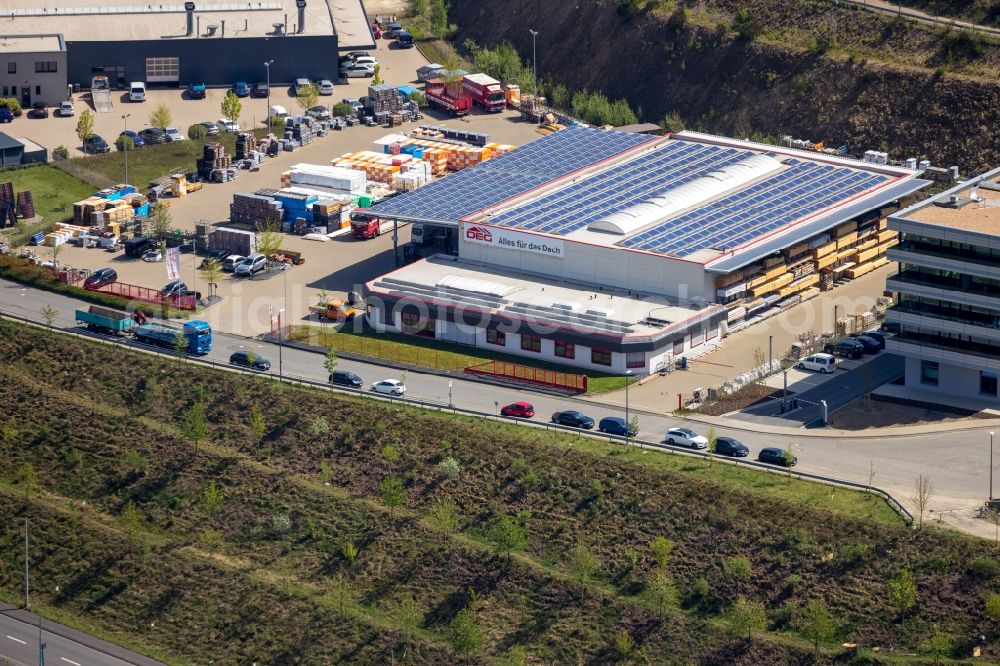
(24, 272)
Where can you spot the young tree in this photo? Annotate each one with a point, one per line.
(160, 117)
(903, 591)
(49, 314)
(624, 643)
(194, 427)
(661, 548)
(55, 250)
(212, 498)
(342, 593)
(232, 107)
(258, 426)
(330, 364)
(583, 562)
(923, 490)
(130, 519)
(211, 540)
(817, 625)
(392, 493)
(350, 553)
(211, 271)
(377, 75)
(439, 18)
(160, 220)
(507, 536)
(27, 479)
(180, 346)
(308, 95)
(442, 515)
(85, 126)
(713, 441)
(759, 364)
(409, 614)
(660, 592)
(745, 616)
(993, 607)
(268, 241)
(464, 632)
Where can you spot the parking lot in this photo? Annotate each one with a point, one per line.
(337, 266)
(398, 66)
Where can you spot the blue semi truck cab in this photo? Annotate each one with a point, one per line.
(197, 332)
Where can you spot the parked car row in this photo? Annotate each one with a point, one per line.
(853, 347)
(615, 425)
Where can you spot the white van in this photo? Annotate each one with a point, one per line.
(278, 111)
(137, 91)
(824, 363)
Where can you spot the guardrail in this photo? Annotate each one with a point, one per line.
(446, 407)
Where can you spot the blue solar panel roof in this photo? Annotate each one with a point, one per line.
(803, 189)
(576, 206)
(509, 175)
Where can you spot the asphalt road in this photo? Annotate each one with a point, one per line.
(64, 646)
(957, 472)
(845, 386)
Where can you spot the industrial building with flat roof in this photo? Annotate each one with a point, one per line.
(948, 310)
(731, 230)
(182, 42)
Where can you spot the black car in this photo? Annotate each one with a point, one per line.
(890, 327)
(870, 344)
(260, 89)
(38, 110)
(175, 289)
(153, 136)
(877, 337)
(847, 348)
(727, 446)
(775, 456)
(243, 358)
(100, 278)
(95, 144)
(344, 378)
(573, 419)
(215, 255)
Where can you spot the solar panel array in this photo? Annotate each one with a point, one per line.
(510, 174)
(576, 206)
(802, 189)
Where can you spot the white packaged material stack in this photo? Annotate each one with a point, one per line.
(408, 181)
(417, 167)
(325, 194)
(389, 139)
(348, 181)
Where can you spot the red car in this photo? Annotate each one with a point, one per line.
(523, 410)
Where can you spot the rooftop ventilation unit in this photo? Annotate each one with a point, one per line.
(566, 305)
(301, 4)
(189, 8)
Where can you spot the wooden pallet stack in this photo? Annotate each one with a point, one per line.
(254, 208)
(213, 157)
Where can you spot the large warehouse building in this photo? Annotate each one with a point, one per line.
(51, 45)
(634, 250)
(948, 282)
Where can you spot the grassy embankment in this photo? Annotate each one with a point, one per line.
(326, 529)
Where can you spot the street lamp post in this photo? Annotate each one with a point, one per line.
(267, 66)
(628, 376)
(534, 61)
(991, 483)
(450, 404)
(284, 302)
(770, 356)
(125, 117)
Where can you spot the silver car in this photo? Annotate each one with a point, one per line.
(325, 87)
(318, 112)
(355, 70)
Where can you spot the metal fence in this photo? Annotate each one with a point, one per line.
(524, 373)
(445, 407)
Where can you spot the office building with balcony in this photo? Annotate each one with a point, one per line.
(948, 281)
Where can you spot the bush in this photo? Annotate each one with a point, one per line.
(984, 568)
(61, 152)
(12, 104)
(418, 97)
(124, 142)
(746, 27)
(197, 131)
(737, 568)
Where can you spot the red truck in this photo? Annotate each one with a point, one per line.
(485, 91)
(365, 227)
(439, 97)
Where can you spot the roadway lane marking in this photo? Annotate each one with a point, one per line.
(69, 661)
(18, 640)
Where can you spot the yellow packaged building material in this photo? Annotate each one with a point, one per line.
(726, 280)
(824, 250)
(799, 285)
(844, 229)
(797, 249)
(771, 262)
(772, 285)
(828, 260)
(865, 268)
(886, 235)
(868, 242)
(847, 240)
(844, 254)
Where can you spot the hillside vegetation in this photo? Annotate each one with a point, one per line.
(812, 69)
(195, 513)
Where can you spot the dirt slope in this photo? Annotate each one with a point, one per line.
(720, 83)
